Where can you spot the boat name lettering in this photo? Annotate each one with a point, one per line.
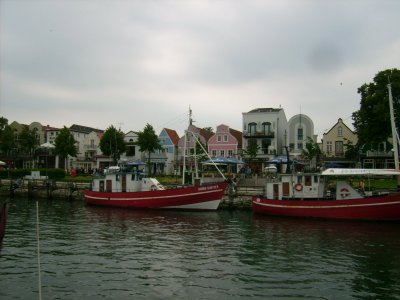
(210, 187)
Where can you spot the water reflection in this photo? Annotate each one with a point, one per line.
(95, 252)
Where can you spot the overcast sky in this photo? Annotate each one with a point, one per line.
(128, 63)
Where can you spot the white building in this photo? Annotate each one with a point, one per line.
(301, 127)
(268, 127)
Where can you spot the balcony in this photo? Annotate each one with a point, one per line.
(374, 153)
(90, 147)
(259, 134)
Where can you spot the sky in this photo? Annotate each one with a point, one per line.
(128, 63)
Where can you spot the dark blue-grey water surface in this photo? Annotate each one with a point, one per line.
(91, 252)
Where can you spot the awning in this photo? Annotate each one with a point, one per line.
(47, 145)
(135, 163)
(220, 160)
(282, 160)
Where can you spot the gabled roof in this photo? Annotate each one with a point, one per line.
(84, 129)
(238, 135)
(340, 121)
(49, 128)
(206, 134)
(173, 135)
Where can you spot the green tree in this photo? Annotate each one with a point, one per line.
(65, 145)
(113, 143)
(3, 123)
(352, 151)
(208, 129)
(311, 150)
(7, 141)
(372, 120)
(148, 141)
(252, 149)
(28, 140)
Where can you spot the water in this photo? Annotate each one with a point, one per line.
(102, 253)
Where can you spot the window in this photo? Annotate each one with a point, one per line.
(300, 134)
(219, 138)
(266, 128)
(265, 144)
(252, 128)
(222, 153)
(329, 147)
(300, 146)
(307, 180)
(340, 131)
(214, 153)
(339, 148)
(225, 138)
(230, 153)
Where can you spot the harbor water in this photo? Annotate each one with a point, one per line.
(89, 252)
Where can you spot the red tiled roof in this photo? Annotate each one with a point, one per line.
(172, 135)
(238, 135)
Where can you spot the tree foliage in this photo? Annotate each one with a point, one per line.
(28, 141)
(311, 150)
(3, 123)
(7, 140)
(252, 149)
(372, 120)
(113, 143)
(64, 144)
(148, 142)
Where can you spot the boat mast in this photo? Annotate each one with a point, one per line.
(394, 131)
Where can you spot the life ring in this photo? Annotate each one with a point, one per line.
(344, 193)
(298, 187)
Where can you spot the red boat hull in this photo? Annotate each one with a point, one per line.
(382, 208)
(3, 220)
(205, 197)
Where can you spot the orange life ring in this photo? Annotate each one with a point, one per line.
(298, 187)
(344, 193)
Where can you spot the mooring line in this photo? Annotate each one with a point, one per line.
(38, 250)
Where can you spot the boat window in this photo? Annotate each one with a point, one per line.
(307, 180)
(315, 179)
(117, 177)
(299, 179)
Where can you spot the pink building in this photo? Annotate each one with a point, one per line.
(226, 142)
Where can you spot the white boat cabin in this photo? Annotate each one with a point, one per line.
(114, 181)
(308, 186)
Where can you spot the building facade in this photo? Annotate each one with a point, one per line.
(268, 128)
(226, 142)
(301, 128)
(169, 140)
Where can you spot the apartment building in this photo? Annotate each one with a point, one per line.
(268, 128)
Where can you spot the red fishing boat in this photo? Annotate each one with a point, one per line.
(126, 186)
(314, 196)
(130, 189)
